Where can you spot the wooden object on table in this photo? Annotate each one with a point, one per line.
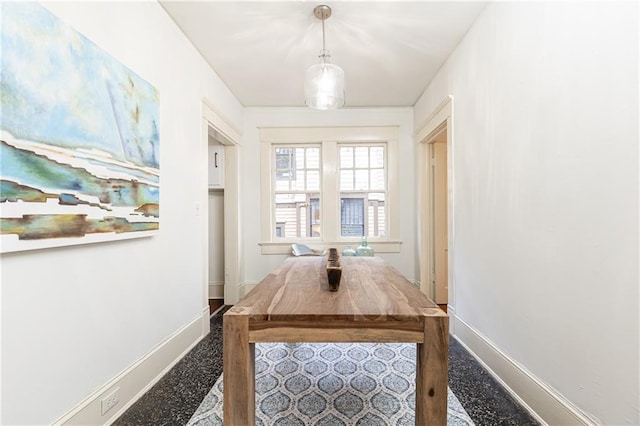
(376, 304)
(334, 273)
(334, 270)
(333, 254)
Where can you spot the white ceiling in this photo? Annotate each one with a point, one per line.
(389, 50)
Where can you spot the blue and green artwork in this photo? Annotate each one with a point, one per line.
(79, 138)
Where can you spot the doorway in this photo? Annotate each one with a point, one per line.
(216, 224)
(439, 242)
(435, 189)
(221, 242)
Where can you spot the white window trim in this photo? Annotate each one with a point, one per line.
(329, 138)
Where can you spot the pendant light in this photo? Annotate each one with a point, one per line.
(324, 82)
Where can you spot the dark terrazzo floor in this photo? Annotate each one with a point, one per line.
(174, 399)
(486, 401)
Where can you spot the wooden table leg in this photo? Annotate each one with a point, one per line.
(238, 369)
(432, 370)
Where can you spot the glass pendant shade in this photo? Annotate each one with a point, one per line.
(324, 86)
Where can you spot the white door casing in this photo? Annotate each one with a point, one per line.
(439, 217)
(437, 124)
(216, 126)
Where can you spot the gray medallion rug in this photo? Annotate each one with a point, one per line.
(331, 385)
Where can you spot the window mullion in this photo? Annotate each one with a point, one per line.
(330, 210)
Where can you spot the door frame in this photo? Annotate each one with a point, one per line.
(215, 125)
(440, 119)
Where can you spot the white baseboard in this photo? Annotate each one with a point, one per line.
(137, 379)
(206, 321)
(216, 289)
(543, 402)
(451, 311)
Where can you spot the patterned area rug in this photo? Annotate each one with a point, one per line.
(331, 385)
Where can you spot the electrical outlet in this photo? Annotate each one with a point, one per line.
(110, 401)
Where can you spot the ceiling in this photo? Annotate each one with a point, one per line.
(389, 50)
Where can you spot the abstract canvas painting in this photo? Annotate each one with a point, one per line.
(79, 138)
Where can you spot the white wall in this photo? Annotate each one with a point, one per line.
(546, 194)
(74, 317)
(256, 265)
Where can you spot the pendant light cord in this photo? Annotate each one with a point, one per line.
(324, 49)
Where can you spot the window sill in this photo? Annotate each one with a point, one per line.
(285, 247)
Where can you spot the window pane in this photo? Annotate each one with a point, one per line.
(377, 157)
(314, 214)
(283, 158)
(286, 216)
(352, 217)
(297, 215)
(298, 183)
(381, 221)
(285, 162)
(362, 180)
(285, 198)
(371, 215)
(362, 157)
(313, 158)
(377, 179)
(346, 180)
(313, 181)
(282, 185)
(376, 215)
(299, 157)
(346, 157)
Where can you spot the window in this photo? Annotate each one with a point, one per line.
(329, 187)
(297, 191)
(362, 183)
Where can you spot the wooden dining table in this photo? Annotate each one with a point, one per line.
(374, 303)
